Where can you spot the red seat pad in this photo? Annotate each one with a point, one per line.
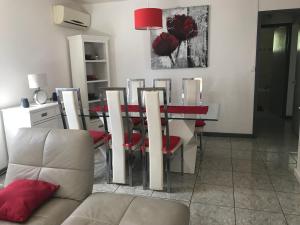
(174, 141)
(136, 120)
(200, 123)
(163, 121)
(135, 139)
(97, 135)
(21, 198)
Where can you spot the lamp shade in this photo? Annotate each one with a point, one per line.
(37, 80)
(148, 19)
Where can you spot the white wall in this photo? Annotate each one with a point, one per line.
(29, 43)
(229, 79)
(265, 5)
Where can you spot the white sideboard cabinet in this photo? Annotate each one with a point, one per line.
(47, 116)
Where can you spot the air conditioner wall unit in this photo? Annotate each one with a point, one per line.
(71, 18)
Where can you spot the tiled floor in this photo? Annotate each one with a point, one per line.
(2, 180)
(239, 181)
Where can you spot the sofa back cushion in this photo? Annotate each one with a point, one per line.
(62, 157)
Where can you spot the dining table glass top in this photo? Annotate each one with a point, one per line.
(204, 111)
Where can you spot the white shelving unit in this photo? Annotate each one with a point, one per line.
(90, 70)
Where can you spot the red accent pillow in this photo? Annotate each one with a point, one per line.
(20, 198)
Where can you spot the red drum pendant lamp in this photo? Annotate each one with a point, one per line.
(148, 18)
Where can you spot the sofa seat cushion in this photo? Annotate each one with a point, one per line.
(115, 209)
(54, 212)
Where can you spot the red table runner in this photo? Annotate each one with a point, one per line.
(171, 109)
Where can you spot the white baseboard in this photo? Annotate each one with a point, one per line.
(297, 174)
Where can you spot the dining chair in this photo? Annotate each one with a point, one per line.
(158, 149)
(164, 83)
(122, 135)
(167, 84)
(132, 96)
(70, 106)
(132, 86)
(192, 95)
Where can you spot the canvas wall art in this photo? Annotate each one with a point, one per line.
(183, 41)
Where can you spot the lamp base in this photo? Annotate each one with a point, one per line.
(40, 97)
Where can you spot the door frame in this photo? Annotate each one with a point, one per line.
(256, 83)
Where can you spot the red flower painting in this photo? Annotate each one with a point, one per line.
(182, 27)
(184, 39)
(165, 44)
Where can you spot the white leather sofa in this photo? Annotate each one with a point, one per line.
(66, 157)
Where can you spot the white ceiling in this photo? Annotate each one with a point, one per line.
(95, 1)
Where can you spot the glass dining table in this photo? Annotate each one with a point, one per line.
(204, 111)
(181, 123)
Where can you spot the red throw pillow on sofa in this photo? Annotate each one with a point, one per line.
(20, 198)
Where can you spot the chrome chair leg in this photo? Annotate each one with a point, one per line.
(108, 163)
(130, 162)
(147, 168)
(199, 141)
(182, 160)
(168, 175)
(144, 170)
(201, 147)
(108, 160)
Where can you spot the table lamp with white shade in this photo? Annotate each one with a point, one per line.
(38, 81)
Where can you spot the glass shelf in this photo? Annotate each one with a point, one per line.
(94, 101)
(96, 61)
(97, 81)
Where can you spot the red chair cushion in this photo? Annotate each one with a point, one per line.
(21, 198)
(136, 120)
(97, 135)
(107, 137)
(174, 141)
(200, 123)
(135, 139)
(163, 121)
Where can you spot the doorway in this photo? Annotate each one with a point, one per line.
(296, 107)
(277, 73)
(274, 57)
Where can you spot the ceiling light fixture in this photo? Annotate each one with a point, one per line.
(148, 18)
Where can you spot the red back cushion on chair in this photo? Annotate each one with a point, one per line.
(20, 198)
